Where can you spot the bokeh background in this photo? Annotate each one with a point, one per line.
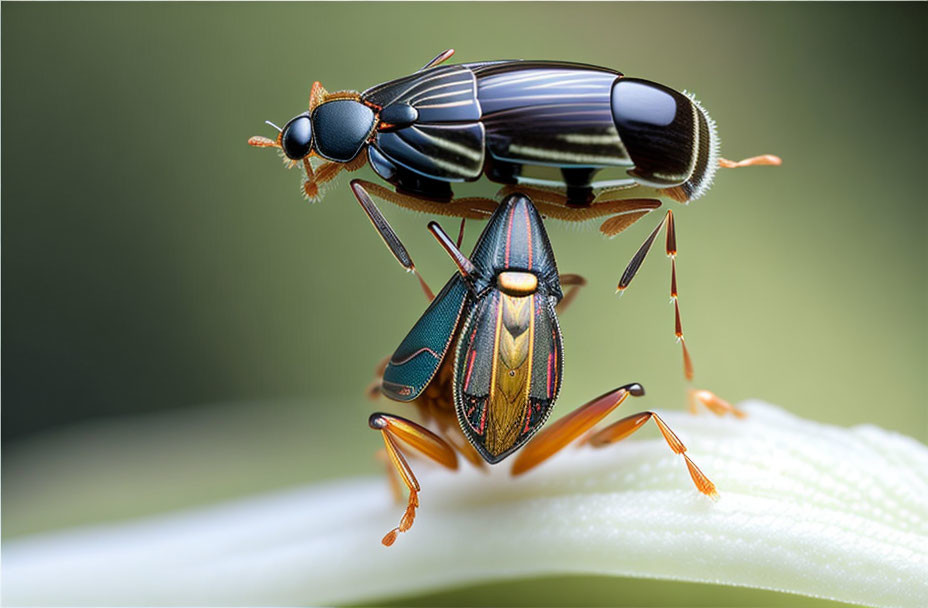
(180, 326)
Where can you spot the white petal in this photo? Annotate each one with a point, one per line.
(805, 508)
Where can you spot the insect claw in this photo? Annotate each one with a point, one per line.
(390, 537)
(310, 190)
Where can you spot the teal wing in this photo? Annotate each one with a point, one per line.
(417, 358)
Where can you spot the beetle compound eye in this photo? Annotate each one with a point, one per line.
(297, 137)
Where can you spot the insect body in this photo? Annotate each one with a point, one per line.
(547, 124)
(498, 317)
(508, 356)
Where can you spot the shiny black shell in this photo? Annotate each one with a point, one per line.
(296, 138)
(341, 129)
(456, 123)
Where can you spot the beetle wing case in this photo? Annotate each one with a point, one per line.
(446, 141)
(509, 355)
(507, 371)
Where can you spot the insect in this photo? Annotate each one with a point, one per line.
(583, 141)
(548, 124)
(487, 400)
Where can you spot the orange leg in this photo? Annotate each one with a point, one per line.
(394, 430)
(624, 211)
(681, 196)
(573, 282)
(550, 203)
(472, 208)
(623, 428)
(713, 403)
(580, 422)
(453, 435)
(260, 141)
(461, 232)
(447, 427)
(754, 161)
(326, 172)
(392, 476)
(707, 398)
(557, 435)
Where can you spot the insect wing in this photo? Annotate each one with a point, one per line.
(507, 371)
(418, 356)
(446, 142)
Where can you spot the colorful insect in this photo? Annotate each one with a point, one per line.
(583, 141)
(498, 314)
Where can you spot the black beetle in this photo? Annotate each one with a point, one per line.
(532, 124)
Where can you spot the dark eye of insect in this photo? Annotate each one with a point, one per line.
(297, 137)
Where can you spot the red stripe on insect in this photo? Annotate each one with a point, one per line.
(550, 373)
(509, 233)
(470, 368)
(528, 237)
(554, 375)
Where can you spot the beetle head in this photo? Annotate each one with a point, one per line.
(296, 138)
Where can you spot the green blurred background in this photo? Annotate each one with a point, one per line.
(180, 326)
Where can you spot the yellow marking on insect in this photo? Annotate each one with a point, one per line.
(588, 138)
(465, 151)
(517, 283)
(512, 373)
(559, 155)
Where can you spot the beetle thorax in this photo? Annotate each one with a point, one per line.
(341, 128)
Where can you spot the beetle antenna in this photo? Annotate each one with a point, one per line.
(259, 141)
(438, 59)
